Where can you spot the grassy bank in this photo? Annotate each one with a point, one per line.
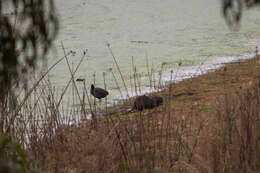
(210, 123)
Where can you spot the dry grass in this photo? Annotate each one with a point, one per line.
(210, 123)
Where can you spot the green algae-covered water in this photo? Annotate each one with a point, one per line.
(163, 31)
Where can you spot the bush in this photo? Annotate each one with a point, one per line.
(13, 158)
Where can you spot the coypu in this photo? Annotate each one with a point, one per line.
(157, 100)
(98, 92)
(147, 102)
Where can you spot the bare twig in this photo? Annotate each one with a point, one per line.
(108, 45)
(72, 76)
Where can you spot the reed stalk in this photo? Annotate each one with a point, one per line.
(72, 77)
(117, 85)
(117, 66)
(94, 116)
(105, 86)
(148, 70)
(134, 70)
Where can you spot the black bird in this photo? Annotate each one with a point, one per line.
(98, 92)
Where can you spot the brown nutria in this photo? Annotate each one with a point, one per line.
(147, 102)
(157, 100)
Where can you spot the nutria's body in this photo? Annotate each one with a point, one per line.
(147, 102)
(157, 100)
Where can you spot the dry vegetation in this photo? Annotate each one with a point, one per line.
(210, 123)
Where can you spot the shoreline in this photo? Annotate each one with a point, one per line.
(220, 63)
(190, 72)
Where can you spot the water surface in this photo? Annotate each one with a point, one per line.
(164, 31)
